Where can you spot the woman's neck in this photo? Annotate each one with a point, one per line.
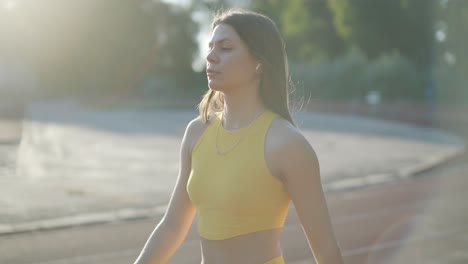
(240, 113)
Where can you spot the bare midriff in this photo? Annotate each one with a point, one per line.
(253, 248)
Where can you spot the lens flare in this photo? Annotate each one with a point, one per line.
(9, 5)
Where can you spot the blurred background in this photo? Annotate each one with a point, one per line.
(95, 96)
(404, 54)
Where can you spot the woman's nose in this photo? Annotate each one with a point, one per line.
(211, 56)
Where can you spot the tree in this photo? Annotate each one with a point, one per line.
(102, 45)
(452, 59)
(382, 26)
(307, 27)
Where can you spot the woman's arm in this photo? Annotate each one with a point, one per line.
(175, 224)
(301, 175)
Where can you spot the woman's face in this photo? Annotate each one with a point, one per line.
(230, 65)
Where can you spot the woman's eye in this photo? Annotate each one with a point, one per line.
(221, 48)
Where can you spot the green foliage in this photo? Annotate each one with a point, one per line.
(175, 37)
(335, 79)
(117, 44)
(354, 75)
(451, 60)
(101, 45)
(306, 26)
(382, 26)
(394, 76)
(341, 10)
(193, 85)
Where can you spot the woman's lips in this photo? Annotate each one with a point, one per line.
(211, 72)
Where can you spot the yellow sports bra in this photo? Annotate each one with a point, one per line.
(230, 184)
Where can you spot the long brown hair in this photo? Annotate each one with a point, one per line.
(264, 41)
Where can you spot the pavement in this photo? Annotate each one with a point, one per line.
(65, 165)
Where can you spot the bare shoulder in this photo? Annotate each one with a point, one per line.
(284, 144)
(195, 126)
(194, 131)
(282, 134)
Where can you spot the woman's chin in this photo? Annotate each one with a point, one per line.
(213, 85)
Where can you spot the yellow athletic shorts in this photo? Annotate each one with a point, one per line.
(277, 260)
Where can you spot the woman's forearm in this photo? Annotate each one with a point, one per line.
(160, 246)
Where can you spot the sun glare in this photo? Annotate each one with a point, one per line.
(9, 4)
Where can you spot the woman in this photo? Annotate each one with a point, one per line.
(242, 160)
